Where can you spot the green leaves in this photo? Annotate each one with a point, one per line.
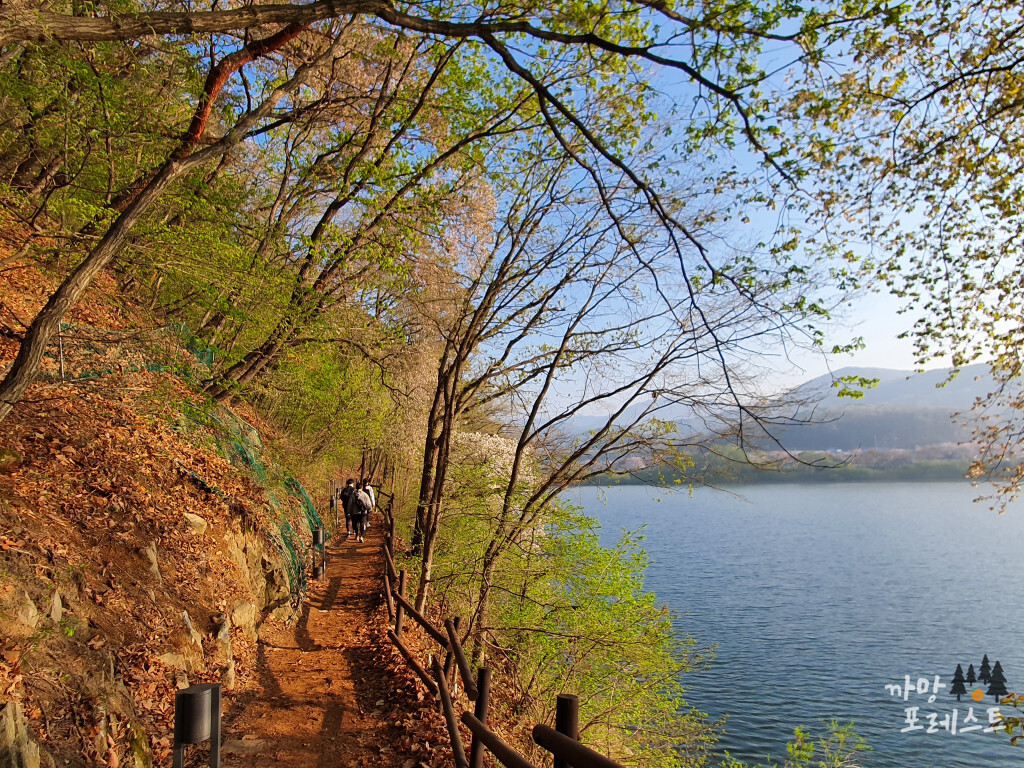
(853, 386)
(586, 626)
(837, 749)
(913, 144)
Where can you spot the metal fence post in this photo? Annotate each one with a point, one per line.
(197, 712)
(318, 544)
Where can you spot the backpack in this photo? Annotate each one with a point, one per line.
(363, 503)
(345, 494)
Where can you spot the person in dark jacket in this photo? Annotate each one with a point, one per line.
(345, 499)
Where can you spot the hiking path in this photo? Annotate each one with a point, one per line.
(325, 699)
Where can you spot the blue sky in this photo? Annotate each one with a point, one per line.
(876, 317)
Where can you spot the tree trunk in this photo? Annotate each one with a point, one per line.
(210, 312)
(28, 169)
(215, 80)
(26, 365)
(426, 491)
(427, 557)
(241, 373)
(479, 651)
(45, 176)
(426, 571)
(14, 154)
(478, 622)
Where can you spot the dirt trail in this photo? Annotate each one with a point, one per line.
(326, 700)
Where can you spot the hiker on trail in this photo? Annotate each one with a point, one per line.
(361, 506)
(373, 502)
(346, 496)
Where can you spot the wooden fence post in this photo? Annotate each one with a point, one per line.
(391, 524)
(389, 601)
(455, 647)
(483, 698)
(449, 715)
(399, 608)
(567, 720)
(449, 659)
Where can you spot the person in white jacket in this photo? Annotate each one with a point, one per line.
(368, 489)
(361, 508)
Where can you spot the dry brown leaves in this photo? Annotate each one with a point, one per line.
(104, 476)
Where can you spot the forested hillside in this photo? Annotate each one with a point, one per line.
(902, 410)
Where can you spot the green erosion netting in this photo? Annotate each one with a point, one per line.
(202, 352)
(240, 442)
(290, 545)
(312, 517)
(83, 352)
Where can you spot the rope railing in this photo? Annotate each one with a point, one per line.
(562, 741)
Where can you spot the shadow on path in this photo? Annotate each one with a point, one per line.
(323, 697)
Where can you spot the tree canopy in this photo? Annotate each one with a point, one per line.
(916, 139)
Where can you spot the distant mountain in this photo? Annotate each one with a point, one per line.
(906, 388)
(905, 410)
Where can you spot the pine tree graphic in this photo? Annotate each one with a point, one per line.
(971, 677)
(985, 672)
(958, 682)
(997, 684)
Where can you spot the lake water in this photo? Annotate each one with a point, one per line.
(819, 596)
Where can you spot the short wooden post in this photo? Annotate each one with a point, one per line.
(483, 687)
(399, 608)
(567, 720)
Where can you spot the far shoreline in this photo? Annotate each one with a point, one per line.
(665, 477)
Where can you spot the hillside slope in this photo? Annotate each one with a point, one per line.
(896, 387)
(135, 557)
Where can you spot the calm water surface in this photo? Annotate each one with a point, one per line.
(819, 596)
